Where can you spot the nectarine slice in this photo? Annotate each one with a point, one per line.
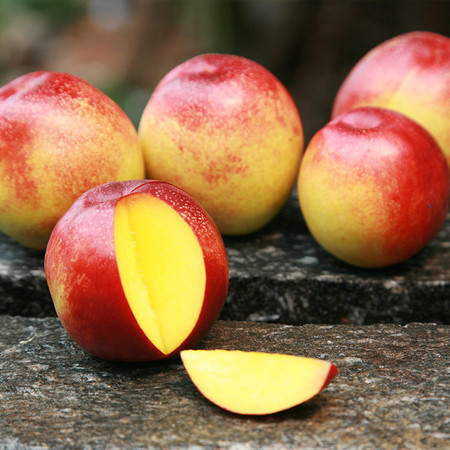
(161, 268)
(256, 382)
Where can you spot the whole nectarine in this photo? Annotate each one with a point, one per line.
(410, 74)
(59, 136)
(225, 130)
(373, 187)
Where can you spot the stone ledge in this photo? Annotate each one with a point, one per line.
(281, 275)
(391, 392)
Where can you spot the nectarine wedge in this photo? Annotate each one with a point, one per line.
(256, 382)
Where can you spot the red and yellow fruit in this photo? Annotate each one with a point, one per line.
(256, 382)
(409, 74)
(225, 130)
(137, 271)
(373, 187)
(59, 136)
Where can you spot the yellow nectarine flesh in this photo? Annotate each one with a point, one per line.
(256, 382)
(161, 268)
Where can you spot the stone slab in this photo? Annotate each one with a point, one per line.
(391, 391)
(281, 274)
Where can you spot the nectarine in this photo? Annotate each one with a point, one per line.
(59, 137)
(373, 187)
(137, 270)
(410, 74)
(225, 130)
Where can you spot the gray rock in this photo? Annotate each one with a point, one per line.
(281, 274)
(391, 391)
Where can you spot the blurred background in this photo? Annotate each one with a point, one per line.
(124, 47)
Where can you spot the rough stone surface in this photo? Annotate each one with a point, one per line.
(282, 275)
(391, 391)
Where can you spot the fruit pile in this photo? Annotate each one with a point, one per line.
(132, 220)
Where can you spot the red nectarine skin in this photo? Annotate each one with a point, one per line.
(59, 136)
(225, 130)
(84, 281)
(210, 72)
(331, 376)
(396, 175)
(409, 73)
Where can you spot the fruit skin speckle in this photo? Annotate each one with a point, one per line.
(225, 130)
(59, 136)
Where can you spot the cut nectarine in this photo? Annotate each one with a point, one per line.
(137, 271)
(256, 382)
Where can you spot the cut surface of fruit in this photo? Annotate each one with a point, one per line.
(161, 268)
(256, 382)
